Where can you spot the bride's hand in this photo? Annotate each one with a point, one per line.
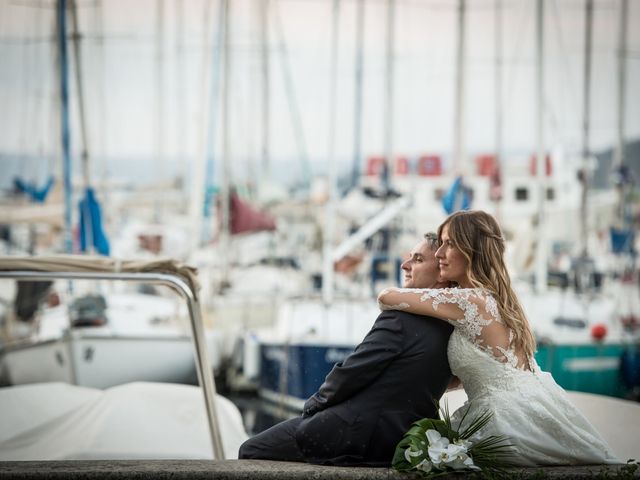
(387, 305)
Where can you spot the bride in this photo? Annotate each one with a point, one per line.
(491, 349)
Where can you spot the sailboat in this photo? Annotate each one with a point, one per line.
(93, 337)
(580, 338)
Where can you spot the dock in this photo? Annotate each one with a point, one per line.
(266, 470)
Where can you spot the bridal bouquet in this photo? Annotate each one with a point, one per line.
(431, 447)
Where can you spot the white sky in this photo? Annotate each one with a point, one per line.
(125, 96)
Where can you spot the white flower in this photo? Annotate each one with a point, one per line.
(464, 443)
(442, 451)
(462, 461)
(425, 466)
(434, 438)
(410, 452)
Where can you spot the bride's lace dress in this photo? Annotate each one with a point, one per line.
(526, 403)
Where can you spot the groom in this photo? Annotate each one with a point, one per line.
(368, 401)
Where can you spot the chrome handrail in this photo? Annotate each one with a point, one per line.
(203, 367)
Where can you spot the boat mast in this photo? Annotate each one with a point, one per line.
(586, 119)
(541, 250)
(203, 206)
(266, 88)
(160, 112)
(499, 146)
(357, 110)
(225, 190)
(330, 209)
(180, 97)
(619, 154)
(389, 97)
(458, 126)
(199, 208)
(86, 174)
(61, 12)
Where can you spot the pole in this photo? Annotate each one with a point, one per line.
(458, 127)
(586, 119)
(327, 257)
(357, 110)
(61, 13)
(266, 87)
(541, 252)
(225, 191)
(622, 82)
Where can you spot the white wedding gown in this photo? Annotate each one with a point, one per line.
(527, 406)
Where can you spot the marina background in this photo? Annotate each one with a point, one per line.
(292, 151)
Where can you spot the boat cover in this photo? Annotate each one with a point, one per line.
(140, 420)
(99, 264)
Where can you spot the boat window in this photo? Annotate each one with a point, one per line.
(551, 194)
(522, 194)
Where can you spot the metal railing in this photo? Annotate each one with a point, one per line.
(203, 366)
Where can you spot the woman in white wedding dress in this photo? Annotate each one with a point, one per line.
(491, 349)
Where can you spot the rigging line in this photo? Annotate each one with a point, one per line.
(296, 118)
(100, 60)
(572, 94)
(517, 50)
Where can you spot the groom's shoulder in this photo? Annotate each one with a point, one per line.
(412, 322)
(400, 317)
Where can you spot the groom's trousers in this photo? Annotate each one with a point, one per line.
(276, 443)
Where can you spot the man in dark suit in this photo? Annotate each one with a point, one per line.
(368, 401)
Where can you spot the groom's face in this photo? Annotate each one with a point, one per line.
(421, 268)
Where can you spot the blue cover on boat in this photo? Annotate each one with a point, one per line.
(458, 197)
(621, 240)
(37, 194)
(91, 232)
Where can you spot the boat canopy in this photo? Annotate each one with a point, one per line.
(99, 264)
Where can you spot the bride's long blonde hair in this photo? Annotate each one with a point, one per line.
(478, 237)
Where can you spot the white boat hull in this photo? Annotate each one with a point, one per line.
(101, 361)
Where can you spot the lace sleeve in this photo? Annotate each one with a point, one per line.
(469, 309)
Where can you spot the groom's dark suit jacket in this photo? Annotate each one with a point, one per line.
(368, 401)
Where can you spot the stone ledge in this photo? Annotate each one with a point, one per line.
(261, 469)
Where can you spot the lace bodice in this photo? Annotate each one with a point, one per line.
(472, 311)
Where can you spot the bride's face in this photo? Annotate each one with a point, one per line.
(452, 264)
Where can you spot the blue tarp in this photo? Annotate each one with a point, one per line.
(91, 232)
(458, 197)
(37, 194)
(622, 240)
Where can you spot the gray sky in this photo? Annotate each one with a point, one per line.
(128, 91)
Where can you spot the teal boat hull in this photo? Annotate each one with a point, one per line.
(591, 368)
